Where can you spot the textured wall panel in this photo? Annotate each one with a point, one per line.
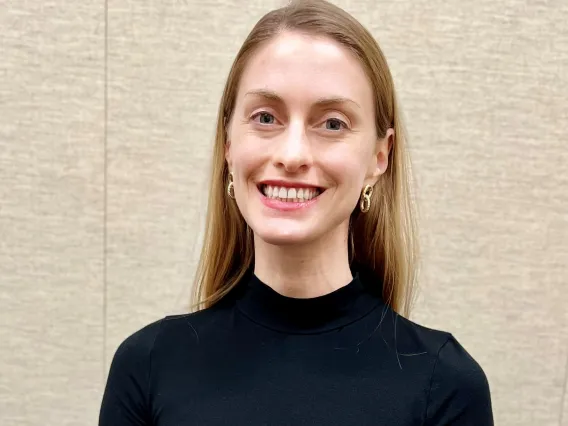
(564, 413)
(51, 212)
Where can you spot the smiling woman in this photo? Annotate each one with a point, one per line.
(306, 275)
(304, 118)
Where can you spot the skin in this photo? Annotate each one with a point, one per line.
(281, 129)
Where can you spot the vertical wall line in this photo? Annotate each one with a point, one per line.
(563, 395)
(105, 190)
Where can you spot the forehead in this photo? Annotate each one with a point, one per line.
(301, 67)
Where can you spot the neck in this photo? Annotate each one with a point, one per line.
(307, 270)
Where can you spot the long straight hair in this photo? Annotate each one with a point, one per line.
(384, 239)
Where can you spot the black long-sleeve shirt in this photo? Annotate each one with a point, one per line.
(260, 358)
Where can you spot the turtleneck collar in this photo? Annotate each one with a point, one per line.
(265, 306)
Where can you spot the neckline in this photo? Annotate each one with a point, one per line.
(266, 307)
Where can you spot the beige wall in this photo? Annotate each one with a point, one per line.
(106, 124)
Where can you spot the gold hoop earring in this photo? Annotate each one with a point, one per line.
(231, 187)
(365, 203)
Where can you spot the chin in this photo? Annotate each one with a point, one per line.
(285, 237)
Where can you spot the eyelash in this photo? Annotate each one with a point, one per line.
(258, 114)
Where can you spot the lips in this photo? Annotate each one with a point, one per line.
(288, 193)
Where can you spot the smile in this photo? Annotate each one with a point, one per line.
(289, 194)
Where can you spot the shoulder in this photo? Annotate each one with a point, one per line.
(137, 345)
(144, 357)
(453, 365)
(126, 389)
(459, 389)
(429, 339)
(458, 374)
(141, 343)
(456, 367)
(407, 337)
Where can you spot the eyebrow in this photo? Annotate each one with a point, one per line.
(321, 102)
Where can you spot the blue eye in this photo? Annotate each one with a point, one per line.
(334, 124)
(264, 118)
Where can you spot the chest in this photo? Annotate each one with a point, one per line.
(286, 385)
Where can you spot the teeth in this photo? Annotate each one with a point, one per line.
(289, 194)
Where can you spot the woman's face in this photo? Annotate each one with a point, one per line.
(302, 141)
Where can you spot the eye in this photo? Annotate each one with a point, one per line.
(335, 124)
(264, 117)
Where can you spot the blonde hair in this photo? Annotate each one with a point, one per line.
(384, 239)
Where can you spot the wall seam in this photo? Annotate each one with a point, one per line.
(563, 394)
(105, 189)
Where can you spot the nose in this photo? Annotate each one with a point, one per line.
(293, 153)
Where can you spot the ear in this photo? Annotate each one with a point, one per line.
(382, 151)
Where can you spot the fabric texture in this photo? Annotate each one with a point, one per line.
(261, 358)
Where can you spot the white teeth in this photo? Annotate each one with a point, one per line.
(290, 194)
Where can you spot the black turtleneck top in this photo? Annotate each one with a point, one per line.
(260, 358)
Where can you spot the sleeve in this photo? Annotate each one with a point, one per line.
(459, 390)
(125, 400)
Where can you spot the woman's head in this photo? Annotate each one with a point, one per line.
(303, 123)
(309, 105)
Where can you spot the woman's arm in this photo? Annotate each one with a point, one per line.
(459, 391)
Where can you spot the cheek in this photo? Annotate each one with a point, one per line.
(247, 155)
(346, 166)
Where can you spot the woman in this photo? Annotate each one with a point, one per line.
(308, 259)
